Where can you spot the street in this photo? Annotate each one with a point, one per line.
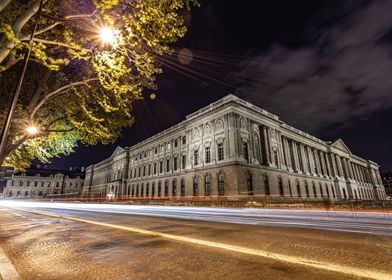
(107, 241)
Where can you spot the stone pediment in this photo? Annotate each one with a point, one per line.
(117, 151)
(339, 144)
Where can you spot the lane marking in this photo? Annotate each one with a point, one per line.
(7, 270)
(353, 271)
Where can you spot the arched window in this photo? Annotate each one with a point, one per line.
(266, 185)
(298, 189)
(307, 189)
(280, 183)
(314, 189)
(249, 182)
(159, 188)
(167, 188)
(321, 190)
(182, 187)
(10, 194)
(326, 187)
(207, 183)
(26, 193)
(221, 184)
(174, 187)
(195, 186)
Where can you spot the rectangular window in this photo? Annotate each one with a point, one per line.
(183, 161)
(167, 165)
(161, 166)
(196, 157)
(175, 163)
(245, 151)
(28, 183)
(183, 140)
(149, 169)
(144, 171)
(221, 154)
(175, 143)
(208, 154)
(155, 168)
(207, 185)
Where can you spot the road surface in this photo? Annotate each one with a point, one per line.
(102, 241)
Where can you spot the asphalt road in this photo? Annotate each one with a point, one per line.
(158, 242)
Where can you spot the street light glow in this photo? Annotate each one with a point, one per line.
(32, 130)
(107, 35)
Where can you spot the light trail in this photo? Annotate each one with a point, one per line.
(343, 221)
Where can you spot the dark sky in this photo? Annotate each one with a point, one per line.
(324, 67)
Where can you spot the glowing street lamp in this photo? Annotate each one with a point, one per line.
(32, 130)
(107, 35)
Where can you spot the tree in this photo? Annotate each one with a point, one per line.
(79, 88)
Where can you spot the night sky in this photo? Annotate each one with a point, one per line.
(322, 66)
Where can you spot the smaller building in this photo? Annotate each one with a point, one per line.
(387, 182)
(43, 183)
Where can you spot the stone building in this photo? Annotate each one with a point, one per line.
(232, 149)
(38, 183)
(387, 182)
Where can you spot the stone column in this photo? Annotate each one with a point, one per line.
(322, 163)
(333, 163)
(296, 159)
(311, 161)
(287, 153)
(280, 150)
(267, 149)
(304, 159)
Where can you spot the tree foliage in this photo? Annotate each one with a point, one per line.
(78, 88)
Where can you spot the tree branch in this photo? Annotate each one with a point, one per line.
(58, 91)
(60, 130)
(44, 29)
(3, 4)
(70, 17)
(49, 42)
(23, 19)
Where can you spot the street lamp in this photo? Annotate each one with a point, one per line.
(32, 130)
(107, 35)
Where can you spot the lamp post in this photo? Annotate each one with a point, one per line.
(11, 110)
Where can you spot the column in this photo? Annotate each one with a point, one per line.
(322, 162)
(287, 153)
(317, 160)
(304, 159)
(295, 155)
(280, 150)
(311, 161)
(267, 150)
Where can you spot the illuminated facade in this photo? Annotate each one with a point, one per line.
(232, 149)
(44, 183)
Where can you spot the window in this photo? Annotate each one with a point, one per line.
(167, 165)
(314, 189)
(333, 191)
(175, 143)
(183, 161)
(182, 187)
(144, 171)
(159, 188)
(220, 151)
(221, 184)
(266, 185)
(175, 165)
(249, 182)
(20, 183)
(207, 182)
(196, 157)
(328, 195)
(174, 187)
(183, 140)
(298, 189)
(276, 157)
(142, 190)
(35, 184)
(196, 186)
(155, 168)
(167, 188)
(156, 150)
(148, 189)
(149, 169)
(140, 171)
(321, 190)
(245, 151)
(307, 189)
(153, 189)
(28, 183)
(291, 192)
(161, 166)
(280, 183)
(208, 154)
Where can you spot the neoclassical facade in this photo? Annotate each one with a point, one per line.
(232, 149)
(44, 183)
